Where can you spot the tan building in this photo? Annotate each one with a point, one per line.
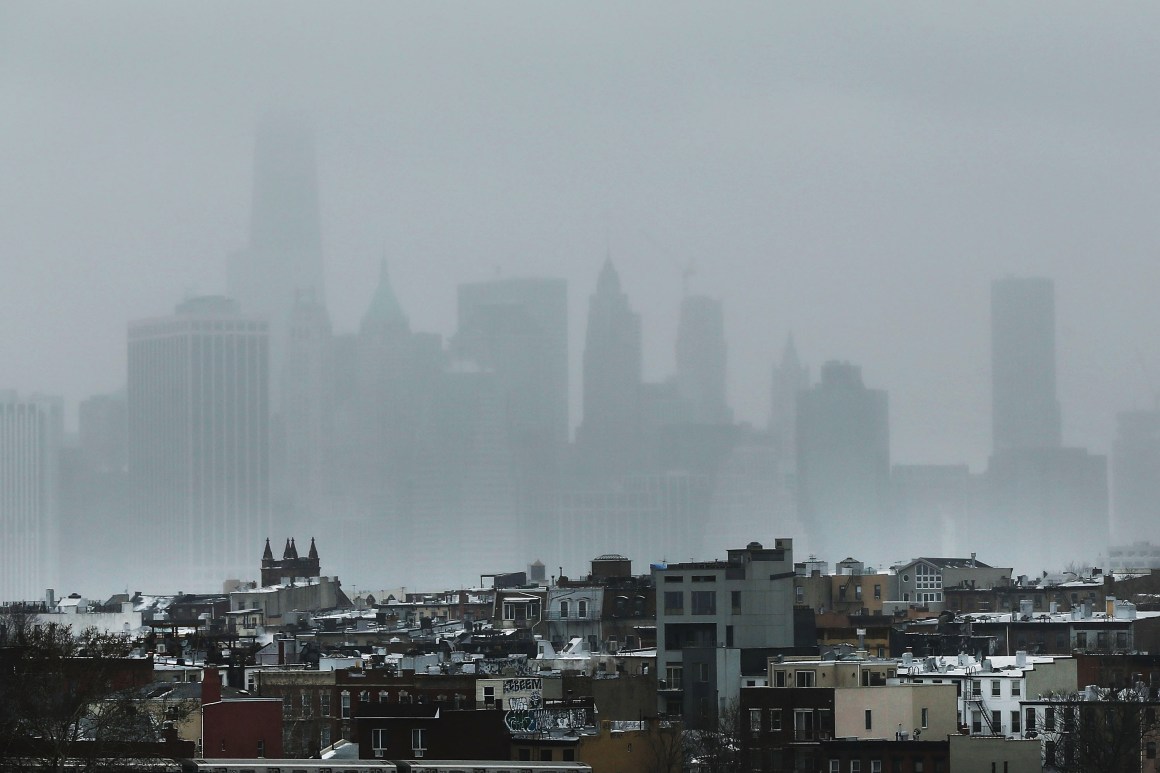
(830, 673)
(988, 753)
(900, 711)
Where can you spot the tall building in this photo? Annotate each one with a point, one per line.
(283, 258)
(518, 329)
(1024, 405)
(307, 409)
(1136, 476)
(198, 408)
(608, 439)
(843, 463)
(790, 378)
(701, 360)
(30, 444)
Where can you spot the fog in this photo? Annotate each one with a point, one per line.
(856, 176)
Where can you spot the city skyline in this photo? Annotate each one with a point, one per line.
(858, 179)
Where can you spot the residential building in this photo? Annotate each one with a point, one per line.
(709, 614)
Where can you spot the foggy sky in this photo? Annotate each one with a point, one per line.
(856, 174)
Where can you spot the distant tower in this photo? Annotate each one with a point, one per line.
(1025, 409)
(518, 328)
(843, 440)
(30, 445)
(198, 410)
(701, 360)
(307, 405)
(291, 567)
(1136, 476)
(609, 437)
(284, 254)
(790, 378)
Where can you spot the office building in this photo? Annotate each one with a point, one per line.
(843, 460)
(608, 439)
(30, 445)
(701, 356)
(1025, 408)
(198, 410)
(1136, 476)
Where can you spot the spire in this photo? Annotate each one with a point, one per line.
(293, 550)
(313, 554)
(286, 550)
(789, 355)
(609, 281)
(385, 310)
(267, 554)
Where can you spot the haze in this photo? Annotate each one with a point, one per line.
(854, 175)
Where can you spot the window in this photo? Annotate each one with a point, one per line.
(735, 601)
(1016, 688)
(925, 717)
(1049, 718)
(728, 636)
(379, 740)
(869, 719)
(563, 609)
(674, 578)
(545, 755)
(261, 747)
(799, 595)
(996, 722)
(835, 766)
(996, 690)
(875, 766)
(418, 741)
(857, 592)
(976, 722)
(287, 707)
(324, 704)
(1121, 640)
(1049, 754)
(926, 577)
(704, 602)
(569, 755)
(674, 602)
(526, 755)
(855, 766)
(582, 609)
(755, 720)
(1030, 716)
(976, 688)
(674, 675)
(1081, 640)
(1150, 750)
(878, 591)
(1015, 722)
(775, 719)
(324, 736)
(703, 673)
(345, 704)
(779, 678)
(804, 678)
(803, 725)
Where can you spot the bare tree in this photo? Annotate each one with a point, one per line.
(1104, 730)
(71, 700)
(719, 748)
(668, 746)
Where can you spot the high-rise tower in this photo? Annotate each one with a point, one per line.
(843, 444)
(701, 360)
(30, 441)
(1024, 406)
(198, 410)
(608, 438)
(284, 256)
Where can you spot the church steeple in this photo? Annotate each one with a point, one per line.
(267, 554)
(313, 554)
(293, 549)
(286, 550)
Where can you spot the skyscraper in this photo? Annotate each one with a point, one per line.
(843, 443)
(30, 444)
(198, 411)
(1136, 476)
(609, 436)
(283, 258)
(1024, 406)
(790, 377)
(701, 360)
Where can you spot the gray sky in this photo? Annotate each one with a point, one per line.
(856, 173)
